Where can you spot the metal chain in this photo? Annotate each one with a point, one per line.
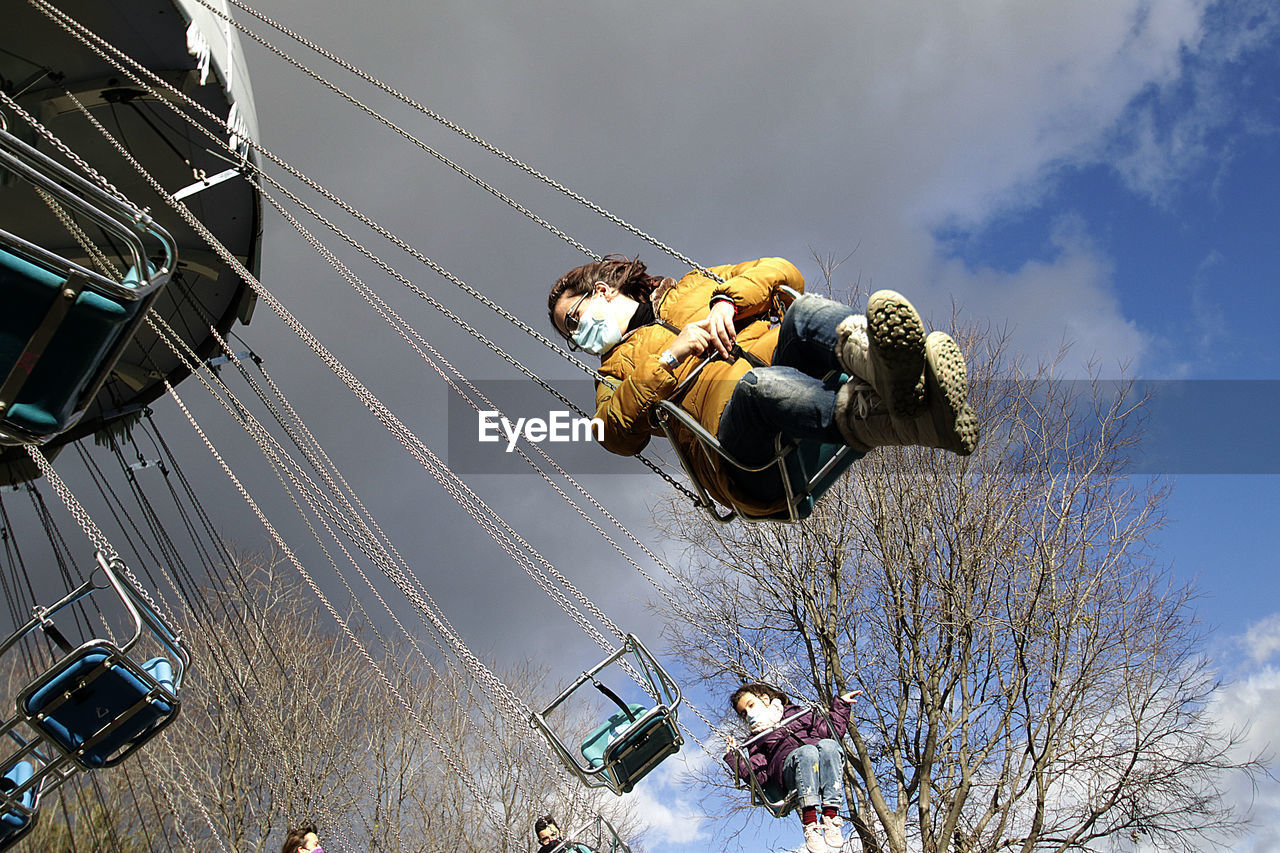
(91, 41)
(410, 441)
(273, 452)
(256, 431)
(91, 529)
(315, 588)
(458, 129)
(404, 133)
(495, 348)
(61, 146)
(91, 249)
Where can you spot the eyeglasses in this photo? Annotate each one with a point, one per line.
(571, 316)
(571, 322)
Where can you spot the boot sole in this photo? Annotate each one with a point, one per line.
(947, 383)
(897, 352)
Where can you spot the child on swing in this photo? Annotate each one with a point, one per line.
(802, 755)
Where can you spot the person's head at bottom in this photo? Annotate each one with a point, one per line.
(302, 839)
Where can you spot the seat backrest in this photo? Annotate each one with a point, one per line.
(99, 706)
(14, 821)
(594, 745)
(65, 370)
(642, 748)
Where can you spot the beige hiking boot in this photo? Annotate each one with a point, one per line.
(948, 423)
(886, 348)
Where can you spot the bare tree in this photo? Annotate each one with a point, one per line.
(282, 722)
(1034, 677)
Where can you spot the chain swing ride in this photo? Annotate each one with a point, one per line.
(127, 256)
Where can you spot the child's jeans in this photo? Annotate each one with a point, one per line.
(816, 773)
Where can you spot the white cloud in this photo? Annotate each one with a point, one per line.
(1170, 128)
(1262, 640)
(1251, 705)
(1069, 299)
(661, 800)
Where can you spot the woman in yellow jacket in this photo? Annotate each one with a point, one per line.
(649, 333)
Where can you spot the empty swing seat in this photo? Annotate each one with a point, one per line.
(18, 815)
(80, 352)
(64, 326)
(628, 746)
(635, 738)
(99, 707)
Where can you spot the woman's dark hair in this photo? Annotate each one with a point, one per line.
(297, 836)
(628, 275)
(543, 822)
(760, 690)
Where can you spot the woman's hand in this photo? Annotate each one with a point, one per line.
(851, 697)
(720, 325)
(715, 331)
(731, 742)
(694, 339)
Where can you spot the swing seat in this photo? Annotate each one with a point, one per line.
(629, 749)
(54, 351)
(65, 326)
(806, 468)
(634, 739)
(779, 803)
(98, 706)
(97, 702)
(18, 815)
(599, 836)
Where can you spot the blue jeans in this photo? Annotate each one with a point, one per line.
(816, 773)
(789, 397)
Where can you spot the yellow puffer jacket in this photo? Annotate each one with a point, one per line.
(636, 380)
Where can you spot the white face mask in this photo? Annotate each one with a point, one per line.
(766, 716)
(597, 335)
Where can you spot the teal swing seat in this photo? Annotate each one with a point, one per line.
(631, 743)
(64, 326)
(97, 703)
(19, 803)
(806, 468)
(619, 752)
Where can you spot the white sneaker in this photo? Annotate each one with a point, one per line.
(815, 840)
(831, 831)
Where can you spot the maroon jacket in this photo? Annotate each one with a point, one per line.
(770, 752)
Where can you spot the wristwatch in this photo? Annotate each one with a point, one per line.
(668, 360)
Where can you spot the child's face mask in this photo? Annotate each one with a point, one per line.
(765, 715)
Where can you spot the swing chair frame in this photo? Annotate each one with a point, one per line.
(778, 806)
(807, 469)
(46, 741)
(19, 802)
(649, 735)
(74, 287)
(603, 831)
